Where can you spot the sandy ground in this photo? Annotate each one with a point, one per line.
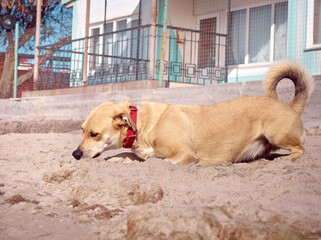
(46, 194)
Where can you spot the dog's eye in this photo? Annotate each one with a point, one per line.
(93, 135)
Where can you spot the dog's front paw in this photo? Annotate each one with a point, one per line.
(119, 160)
(123, 158)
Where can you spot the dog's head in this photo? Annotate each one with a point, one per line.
(105, 128)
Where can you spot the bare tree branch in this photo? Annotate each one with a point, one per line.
(44, 58)
(29, 33)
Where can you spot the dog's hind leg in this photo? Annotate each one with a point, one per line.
(183, 158)
(287, 132)
(291, 142)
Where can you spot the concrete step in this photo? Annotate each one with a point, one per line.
(77, 106)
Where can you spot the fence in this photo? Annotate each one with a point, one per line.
(192, 56)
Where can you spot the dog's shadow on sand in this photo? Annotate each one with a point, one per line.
(128, 157)
(271, 157)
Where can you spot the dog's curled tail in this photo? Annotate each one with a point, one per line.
(298, 75)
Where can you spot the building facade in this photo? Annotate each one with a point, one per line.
(207, 41)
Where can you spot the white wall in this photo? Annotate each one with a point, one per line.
(116, 9)
(181, 13)
(202, 7)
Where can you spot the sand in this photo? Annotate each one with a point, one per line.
(46, 194)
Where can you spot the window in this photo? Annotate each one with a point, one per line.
(120, 45)
(255, 31)
(317, 22)
(207, 43)
(134, 39)
(108, 42)
(237, 37)
(259, 34)
(94, 48)
(121, 39)
(281, 30)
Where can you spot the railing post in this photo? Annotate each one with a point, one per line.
(152, 40)
(138, 38)
(227, 39)
(16, 46)
(36, 66)
(162, 53)
(85, 59)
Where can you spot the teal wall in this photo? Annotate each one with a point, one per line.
(246, 78)
(309, 59)
(296, 44)
(175, 54)
(292, 29)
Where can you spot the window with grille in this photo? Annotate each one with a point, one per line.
(206, 54)
(108, 41)
(94, 49)
(134, 39)
(258, 34)
(237, 37)
(121, 39)
(281, 30)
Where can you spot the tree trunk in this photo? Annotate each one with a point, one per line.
(44, 58)
(6, 81)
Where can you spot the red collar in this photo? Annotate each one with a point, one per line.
(131, 135)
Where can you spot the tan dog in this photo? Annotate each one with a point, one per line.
(236, 130)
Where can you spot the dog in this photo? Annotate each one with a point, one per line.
(241, 129)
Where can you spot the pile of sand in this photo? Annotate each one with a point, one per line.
(46, 194)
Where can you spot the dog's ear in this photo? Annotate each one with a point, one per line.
(122, 118)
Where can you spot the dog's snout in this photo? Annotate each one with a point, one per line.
(77, 154)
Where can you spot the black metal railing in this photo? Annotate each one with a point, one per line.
(191, 56)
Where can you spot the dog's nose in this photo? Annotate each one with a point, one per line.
(77, 154)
